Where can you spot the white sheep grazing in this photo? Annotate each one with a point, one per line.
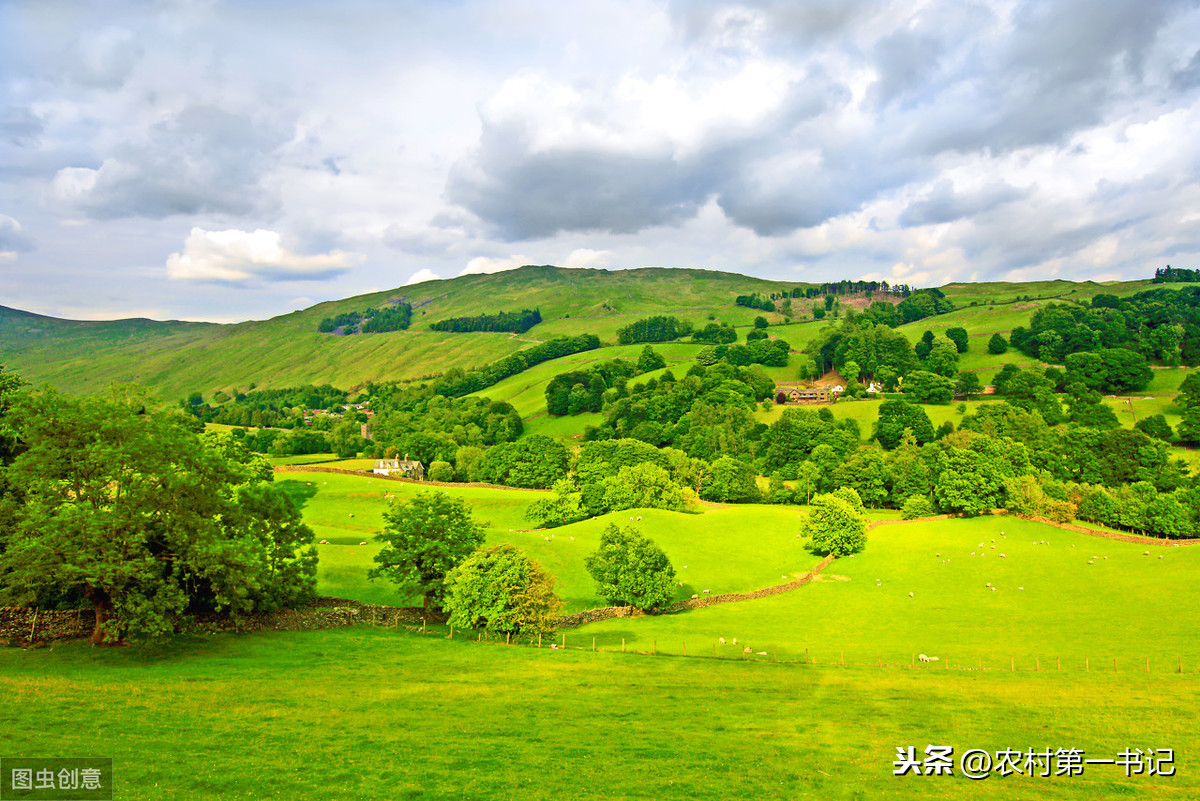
(910, 595)
(721, 640)
(762, 653)
(694, 596)
(1002, 556)
(364, 542)
(352, 514)
(324, 542)
(639, 517)
(935, 659)
(707, 590)
(922, 657)
(783, 577)
(747, 650)
(735, 640)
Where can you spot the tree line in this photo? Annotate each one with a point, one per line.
(514, 322)
(661, 328)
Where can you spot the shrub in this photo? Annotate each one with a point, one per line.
(441, 471)
(917, 506)
(630, 570)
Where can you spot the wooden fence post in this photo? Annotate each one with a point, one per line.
(622, 645)
(593, 643)
(539, 639)
(1087, 664)
(1147, 664)
(1012, 664)
(1037, 664)
(685, 647)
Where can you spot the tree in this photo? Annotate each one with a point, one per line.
(731, 481)
(942, 358)
(128, 508)
(630, 570)
(896, 416)
(502, 590)
(559, 509)
(649, 360)
(968, 384)
(643, 486)
(917, 506)
(837, 523)
(423, 540)
(997, 345)
(926, 387)
(958, 336)
(1155, 426)
(345, 439)
(760, 322)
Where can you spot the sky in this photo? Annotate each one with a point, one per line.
(207, 160)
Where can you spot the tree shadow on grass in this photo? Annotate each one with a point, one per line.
(301, 492)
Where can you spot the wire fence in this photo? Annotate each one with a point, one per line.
(734, 651)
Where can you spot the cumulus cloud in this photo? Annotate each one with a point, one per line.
(422, 275)
(239, 257)
(587, 257)
(203, 159)
(486, 264)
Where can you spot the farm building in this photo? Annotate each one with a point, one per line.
(792, 394)
(405, 468)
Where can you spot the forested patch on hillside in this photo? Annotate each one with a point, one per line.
(513, 322)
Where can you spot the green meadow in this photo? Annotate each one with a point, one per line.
(1075, 598)
(376, 713)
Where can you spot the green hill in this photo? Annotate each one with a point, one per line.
(176, 358)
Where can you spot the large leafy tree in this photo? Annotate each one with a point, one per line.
(897, 415)
(501, 589)
(132, 510)
(423, 540)
(837, 523)
(630, 570)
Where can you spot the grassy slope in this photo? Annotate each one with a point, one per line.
(374, 714)
(177, 358)
(1067, 608)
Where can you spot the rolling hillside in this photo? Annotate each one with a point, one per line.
(176, 358)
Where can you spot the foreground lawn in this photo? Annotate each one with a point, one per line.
(375, 714)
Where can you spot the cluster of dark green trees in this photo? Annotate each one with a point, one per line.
(514, 322)
(457, 382)
(845, 287)
(660, 328)
(755, 301)
(395, 317)
(113, 503)
(587, 390)
(1161, 325)
(1174, 275)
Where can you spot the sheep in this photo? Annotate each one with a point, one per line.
(694, 596)
(735, 640)
(364, 542)
(352, 514)
(747, 650)
(324, 542)
(639, 517)
(706, 591)
(762, 653)
(572, 539)
(1145, 553)
(1003, 556)
(783, 577)
(1020, 588)
(721, 640)
(1160, 556)
(938, 555)
(922, 657)
(911, 595)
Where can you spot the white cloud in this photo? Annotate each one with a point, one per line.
(240, 256)
(586, 257)
(422, 275)
(485, 264)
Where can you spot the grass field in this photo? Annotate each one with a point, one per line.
(375, 714)
(1067, 608)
